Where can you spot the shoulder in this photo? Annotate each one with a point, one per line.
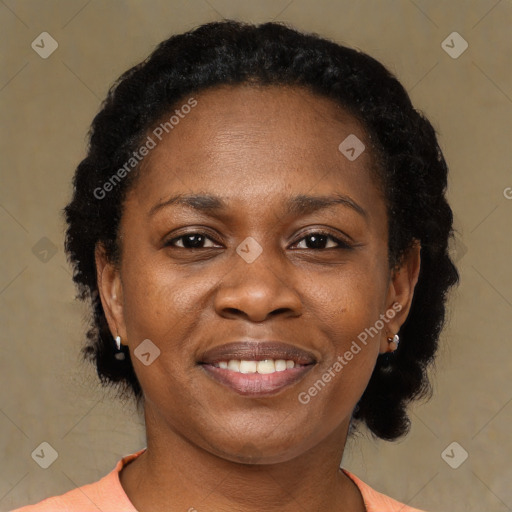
(80, 499)
(376, 501)
(106, 494)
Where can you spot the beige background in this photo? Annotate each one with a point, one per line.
(47, 106)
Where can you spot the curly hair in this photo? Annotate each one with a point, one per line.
(410, 165)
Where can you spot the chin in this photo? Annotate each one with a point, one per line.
(258, 453)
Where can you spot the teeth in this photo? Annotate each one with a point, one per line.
(233, 365)
(266, 366)
(280, 365)
(263, 367)
(248, 366)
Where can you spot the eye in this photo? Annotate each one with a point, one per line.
(314, 240)
(319, 239)
(191, 241)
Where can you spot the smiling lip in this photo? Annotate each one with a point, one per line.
(256, 384)
(257, 351)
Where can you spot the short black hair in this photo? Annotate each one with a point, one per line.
(411, 167)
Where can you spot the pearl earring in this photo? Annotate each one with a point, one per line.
(393, 342)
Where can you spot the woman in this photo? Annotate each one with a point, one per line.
(261, 227)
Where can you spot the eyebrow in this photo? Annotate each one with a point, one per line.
(301, 204)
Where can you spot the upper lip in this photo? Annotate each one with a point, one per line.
(257, 351)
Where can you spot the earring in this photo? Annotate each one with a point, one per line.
(119, 355)
(393, 342)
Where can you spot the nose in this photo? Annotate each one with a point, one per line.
(257, 291)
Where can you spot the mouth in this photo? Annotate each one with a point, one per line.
(257, 368)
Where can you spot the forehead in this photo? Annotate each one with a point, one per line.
(255, 141)
(266, 101)
(256, 111)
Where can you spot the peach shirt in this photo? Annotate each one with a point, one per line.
(108, 495)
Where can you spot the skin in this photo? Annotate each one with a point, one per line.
(208, 447)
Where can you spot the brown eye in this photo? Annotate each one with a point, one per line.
(320, 240)
(317, 240)
(190, 241)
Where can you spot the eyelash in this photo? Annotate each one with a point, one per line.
(341, 243)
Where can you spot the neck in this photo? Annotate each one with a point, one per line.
(175, 471)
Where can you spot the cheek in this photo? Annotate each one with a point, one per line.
(349, 353)
(160, 299)
(167, 305)
(343, 304)
(346, 311)
(161, 306)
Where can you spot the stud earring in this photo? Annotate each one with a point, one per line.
(393, 342)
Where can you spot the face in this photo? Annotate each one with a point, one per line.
(251, 263)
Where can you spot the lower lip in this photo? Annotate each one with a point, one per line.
(256, 384)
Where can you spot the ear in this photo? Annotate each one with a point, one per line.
(400, 292)
(110, 289)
